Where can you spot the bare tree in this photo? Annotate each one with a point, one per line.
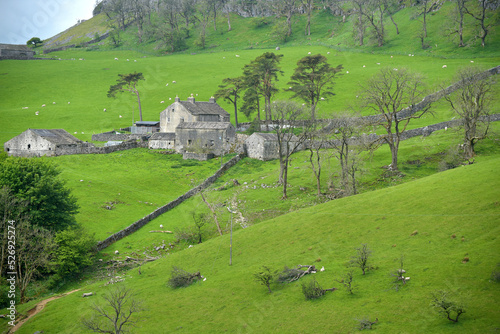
(116, 314)
(214, 214)
(388, 92)
(344, 128)
(285, 8)
(34, 246)
(286, 116)
(480, 15)
(471, 104)
(361, 259)
(426, 7)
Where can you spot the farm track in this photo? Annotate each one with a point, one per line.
(37, 309)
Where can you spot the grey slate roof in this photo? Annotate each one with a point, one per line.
(57, 136)
(163, 136)
(147, 123)
(203, 108)
(204, 125)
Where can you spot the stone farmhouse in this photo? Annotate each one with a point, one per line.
(39, 142)
(194, 126)
(11, 51)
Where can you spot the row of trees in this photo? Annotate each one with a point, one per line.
(39, 208)
(395, 97)
(171, 21)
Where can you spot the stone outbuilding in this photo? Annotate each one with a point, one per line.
(145, 127)
(162, 140)
(12, 51)
(191, 111)
(213, 137)
(264, 146)
(39, 142)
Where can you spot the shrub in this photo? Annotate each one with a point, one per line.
(266, 277)
(181, 278)
(366, 323)
(450, 309)
(452, 159)
(346, 281)
(495, 275)
(361, 258)
(312, 290)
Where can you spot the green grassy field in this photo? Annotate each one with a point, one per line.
(461, 202)
(299, 230)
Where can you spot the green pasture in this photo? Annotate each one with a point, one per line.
(79, 87)
(435, 222)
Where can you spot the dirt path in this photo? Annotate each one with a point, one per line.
(35, 310)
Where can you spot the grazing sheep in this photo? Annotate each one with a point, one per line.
(309, 53)
(104, 109)
(444, 66)
(162, 102)
(53, 103)
(328, 53)
(116, 58)
(36, 113)
(364, 66)
(237, 56)
(161, 226)
(43, 105)
(322, 269)
(117, 252)
(120, 116)
(347, 72)
(174, 81)
(25, 107)
(69, 102)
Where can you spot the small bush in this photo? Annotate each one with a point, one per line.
(495, 275)
(450, 309)
(452, 159)
(346, 281)
(181, 278)
(312, 290)
(366, 323)
(266, 277)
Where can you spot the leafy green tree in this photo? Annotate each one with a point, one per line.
(313, 80)
(35, 41)
(127, 82)
(229, 91)
(74, 251)
(50, 203)
(262, 73)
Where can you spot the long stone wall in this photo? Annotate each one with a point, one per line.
(167, 207)
(87, 148)
(113, 136)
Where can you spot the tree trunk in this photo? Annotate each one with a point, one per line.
(228, 22)
(139, 102)
(235, 113)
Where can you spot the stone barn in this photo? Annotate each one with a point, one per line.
(39, 142)
(213, 137)
(145, 127)
(191, 111)
(162, 140)
(11, 51)
(264, 146)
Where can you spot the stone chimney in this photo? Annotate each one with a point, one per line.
(177, 99)
(212, 100)
(191, 99)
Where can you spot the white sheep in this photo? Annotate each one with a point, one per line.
(364, 66)
(161, 225)
(36, 113)
(162, 102)
(135, 61)
(116, 58)
(444, 66)
(120, 116)
(328, 53)
(43, 105)
(53, 103)
(347, 72)
(166, 85)
(174, 81)
(309, 53)
(128, 60)
(69, 102)
(322, 269)
(237, 56)
(117, 252)
(104, 109)
(472, 61)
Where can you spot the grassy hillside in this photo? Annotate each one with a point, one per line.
(418, 220)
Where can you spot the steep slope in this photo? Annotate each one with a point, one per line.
(435, 223)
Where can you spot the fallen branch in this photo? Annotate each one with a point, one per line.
(161, 232)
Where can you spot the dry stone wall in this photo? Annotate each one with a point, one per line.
(167, 207)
